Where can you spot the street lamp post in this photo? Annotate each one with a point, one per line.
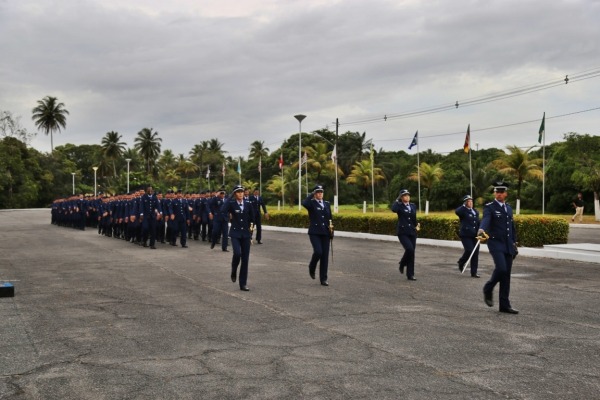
(95, 184)
(300, 117)
(73, 173)
(128, 161)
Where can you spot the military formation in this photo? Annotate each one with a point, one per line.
(145, 218)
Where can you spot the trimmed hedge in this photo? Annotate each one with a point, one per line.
(533, 231)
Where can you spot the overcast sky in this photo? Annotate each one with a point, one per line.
(239, 70)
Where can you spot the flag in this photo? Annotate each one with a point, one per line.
(467, 144)
(260, 164)
(334, 153)
(304, 158)
(281, 161)
(223, 170)
(371, 155)
(208, 173)
(414, 141)
(239, 170)
(542, 128)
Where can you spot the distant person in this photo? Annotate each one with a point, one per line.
(498, 224)
(578, 206)
(469, 225)
(257, 204)
(406, 230)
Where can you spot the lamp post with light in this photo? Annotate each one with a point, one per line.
(128, 161)
(95, 184)
(300, 117)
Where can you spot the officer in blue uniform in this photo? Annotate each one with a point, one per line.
(469, 225)
(180, 215)
(406, 229)
(241, 215)
(258, 205)
(220, 221)
(498, 224)
(319, 231)
(150, 215)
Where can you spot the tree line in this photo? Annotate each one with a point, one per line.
(29, 178)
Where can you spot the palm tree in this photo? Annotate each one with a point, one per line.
(258, 150)
(518, 165)
(198, 153)
(319, 161)
(167, 160)
(361, 175)
(148, 144)
(430, 176)
(112, 149)
(50, 116)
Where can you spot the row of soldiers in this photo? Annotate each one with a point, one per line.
(145, 217)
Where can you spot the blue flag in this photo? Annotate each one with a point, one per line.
(414, 141)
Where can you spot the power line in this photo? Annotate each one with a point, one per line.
(519, 91)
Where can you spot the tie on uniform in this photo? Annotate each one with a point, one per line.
(241, 206)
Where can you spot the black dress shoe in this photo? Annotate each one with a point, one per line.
(244, 288)
(324, 283)
(153, 247)
(475, 275)
(509, 310)
(311, 273)
(233, 276)
(212, 245)
(488, 298)
(411, 278)
(460, 266)
(258, 242)
(401, 268)
(184, 246)
(225, 250)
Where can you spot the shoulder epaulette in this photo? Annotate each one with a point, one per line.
(490, 203)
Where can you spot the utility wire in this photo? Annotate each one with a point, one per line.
(519, 91)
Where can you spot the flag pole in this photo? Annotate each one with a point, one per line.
(418, 173)
(337, 193)
(260, 175)
(470, 164)
(372, 182)
(542, 140)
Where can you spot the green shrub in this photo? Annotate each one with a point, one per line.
(532, 231)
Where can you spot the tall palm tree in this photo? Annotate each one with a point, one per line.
(320, 161)
(167, 160)
(148, 144)
(198, 153)
(258, 150)
(430, 176)
(518, 165)
(50, 116)
(112, 148)
(361, 175)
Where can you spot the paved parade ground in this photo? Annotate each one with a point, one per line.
(98, 318)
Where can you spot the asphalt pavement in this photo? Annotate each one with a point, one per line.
(98, 318)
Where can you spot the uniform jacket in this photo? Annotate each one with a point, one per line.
(240, 218)
(179, 208)
(150, 206)
(319, 216)
(407, 218)
(469, 221)
(500, 227)
(257, 204)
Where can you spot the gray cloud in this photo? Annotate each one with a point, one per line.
(193, 77)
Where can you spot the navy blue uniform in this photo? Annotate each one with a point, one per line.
(498, 223)
(406, 230)
(469, 225)
(179, 209)
(319, 214)
(220, 222)
(151, 211)
(241, 217)
(257, 205)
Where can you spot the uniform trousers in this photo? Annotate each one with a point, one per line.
(320, 245)
(241, 253)
(503, 265)
(469, 244)
(409, 242)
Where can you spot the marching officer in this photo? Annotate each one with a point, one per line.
(406, 229)
(319, 231)
(258, 204)
(150, 215)
(498, 224)
(241, 215)
(220, 221)
(469, 225)
(180, 215)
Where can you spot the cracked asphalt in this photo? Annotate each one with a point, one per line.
(99, 318)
